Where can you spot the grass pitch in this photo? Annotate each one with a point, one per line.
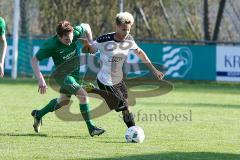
(195, 121)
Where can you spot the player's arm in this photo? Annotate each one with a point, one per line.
(88, 32)
(88, 47)
(42, 86)
(43, 53)
(143, 56)
(88, 43)
(3, 46)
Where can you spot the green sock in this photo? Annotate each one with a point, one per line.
(84, 108)
(50, 107)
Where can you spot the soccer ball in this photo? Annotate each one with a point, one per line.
(134, 134)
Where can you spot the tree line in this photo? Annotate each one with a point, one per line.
(154, 19)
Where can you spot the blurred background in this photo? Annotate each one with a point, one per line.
(193, 29)
(196, 41)
(154, 19)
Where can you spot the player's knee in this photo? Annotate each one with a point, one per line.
(81, 92)
(82, 96)
(63, 100)
(123, 106)
(82, 99)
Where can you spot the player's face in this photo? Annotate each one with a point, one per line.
(67, 39)
(123, 29)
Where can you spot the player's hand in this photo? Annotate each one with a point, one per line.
(1, 70)
(84, 41)
(87, 48)
(159, 74)
(42, 86)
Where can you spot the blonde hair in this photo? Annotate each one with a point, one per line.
(124, 18)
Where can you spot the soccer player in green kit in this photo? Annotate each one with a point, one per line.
(61, 48)
(3, 45)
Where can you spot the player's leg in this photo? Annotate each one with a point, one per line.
(81, 94)
(71, 87)
(53, 105)
(128, 117)
(120, 90)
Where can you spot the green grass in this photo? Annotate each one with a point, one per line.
(211, 133)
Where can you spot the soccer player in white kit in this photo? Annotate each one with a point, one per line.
(114, 48)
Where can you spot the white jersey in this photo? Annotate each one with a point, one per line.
(112, 56)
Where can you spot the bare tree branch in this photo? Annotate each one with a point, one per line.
(171, 26)
(189, 22)
(144, 19)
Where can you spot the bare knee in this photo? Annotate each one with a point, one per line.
(63, 100)
(82, 96)
(82, 99)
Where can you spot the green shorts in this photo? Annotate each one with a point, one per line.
(70, 86)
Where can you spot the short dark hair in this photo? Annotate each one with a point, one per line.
(63, 28)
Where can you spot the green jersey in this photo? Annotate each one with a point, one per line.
(2, 26)
(60, 52)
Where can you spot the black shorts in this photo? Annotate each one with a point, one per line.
(119, 90)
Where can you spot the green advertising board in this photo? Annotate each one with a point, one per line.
(188, 62)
